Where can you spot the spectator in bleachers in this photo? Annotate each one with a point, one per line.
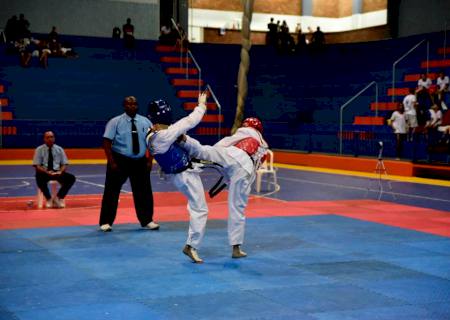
(410, 105)
(128, 34)
(444, 127)
(442, 83)
(167, 36)
(23, 27)
(317, 40)
(271, 35)
(53, 35)
(11, 29)
(432, 125)
(435, 117)
(422, 92)
(286, 42)
(50, 162)
(398, 124)
(182, 36)
(34, 49)
(57, 49)
(301, 41)
(116, 33)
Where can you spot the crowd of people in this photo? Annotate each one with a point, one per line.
(19, 41)
(423, 111)
(280, 38)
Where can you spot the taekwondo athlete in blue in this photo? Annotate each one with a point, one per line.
(175, 162)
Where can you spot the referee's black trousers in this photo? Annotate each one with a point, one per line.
(136, 170)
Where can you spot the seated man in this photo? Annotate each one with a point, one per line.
(442, 83)
(51, 162)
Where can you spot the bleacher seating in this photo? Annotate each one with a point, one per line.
(297, 96)
(79, 93)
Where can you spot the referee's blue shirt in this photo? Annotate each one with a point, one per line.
(118, 129)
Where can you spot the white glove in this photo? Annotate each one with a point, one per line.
(202, 99)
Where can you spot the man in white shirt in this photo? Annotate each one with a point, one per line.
(409, 105)
(398, 123)
(422, 92)
(435, 117)
(442, 88)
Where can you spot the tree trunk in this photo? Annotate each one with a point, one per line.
(244, 65)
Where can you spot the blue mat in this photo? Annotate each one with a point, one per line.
(313, 267)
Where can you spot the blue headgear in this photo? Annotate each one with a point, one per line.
(159, 111)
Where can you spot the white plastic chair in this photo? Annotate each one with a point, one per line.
(266, 168)
(40, 196)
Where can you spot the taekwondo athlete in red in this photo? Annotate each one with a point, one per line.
(240, 155)
(175, 163)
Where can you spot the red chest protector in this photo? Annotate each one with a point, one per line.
(249, 145)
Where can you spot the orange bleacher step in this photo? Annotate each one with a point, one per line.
(444, 50)
(189, 94)
(416, 77)
(2, 88)
(175, 60)
(213, 118)
(383, 106)
(371, 121)
(398, 91)
(4, 102)
(7, 115)
(191, 105)
(9, 131)
(187, 82)
(181, 71)
(161, 48)
(436, 63)
(212, 131)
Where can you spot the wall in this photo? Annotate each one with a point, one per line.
(212, 35)
(335, 16)
(86, 17)
(290, 7)
(332, 9)
(418, 16)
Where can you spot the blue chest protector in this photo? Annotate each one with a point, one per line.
(175, 160)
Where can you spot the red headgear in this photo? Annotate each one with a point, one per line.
(254, 123)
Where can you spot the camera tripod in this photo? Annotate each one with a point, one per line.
(381, 171)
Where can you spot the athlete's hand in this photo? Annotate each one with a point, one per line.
(202, 98)
(181, 138)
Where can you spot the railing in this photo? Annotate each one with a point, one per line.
(181, 42)
(219, 107)
(198, 68)
(341, 111)
(2, 35)
(189, 54)
(402, 57)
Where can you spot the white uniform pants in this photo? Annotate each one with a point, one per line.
(189, 183)
(240, 181)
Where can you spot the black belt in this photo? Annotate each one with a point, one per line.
(219, 186)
